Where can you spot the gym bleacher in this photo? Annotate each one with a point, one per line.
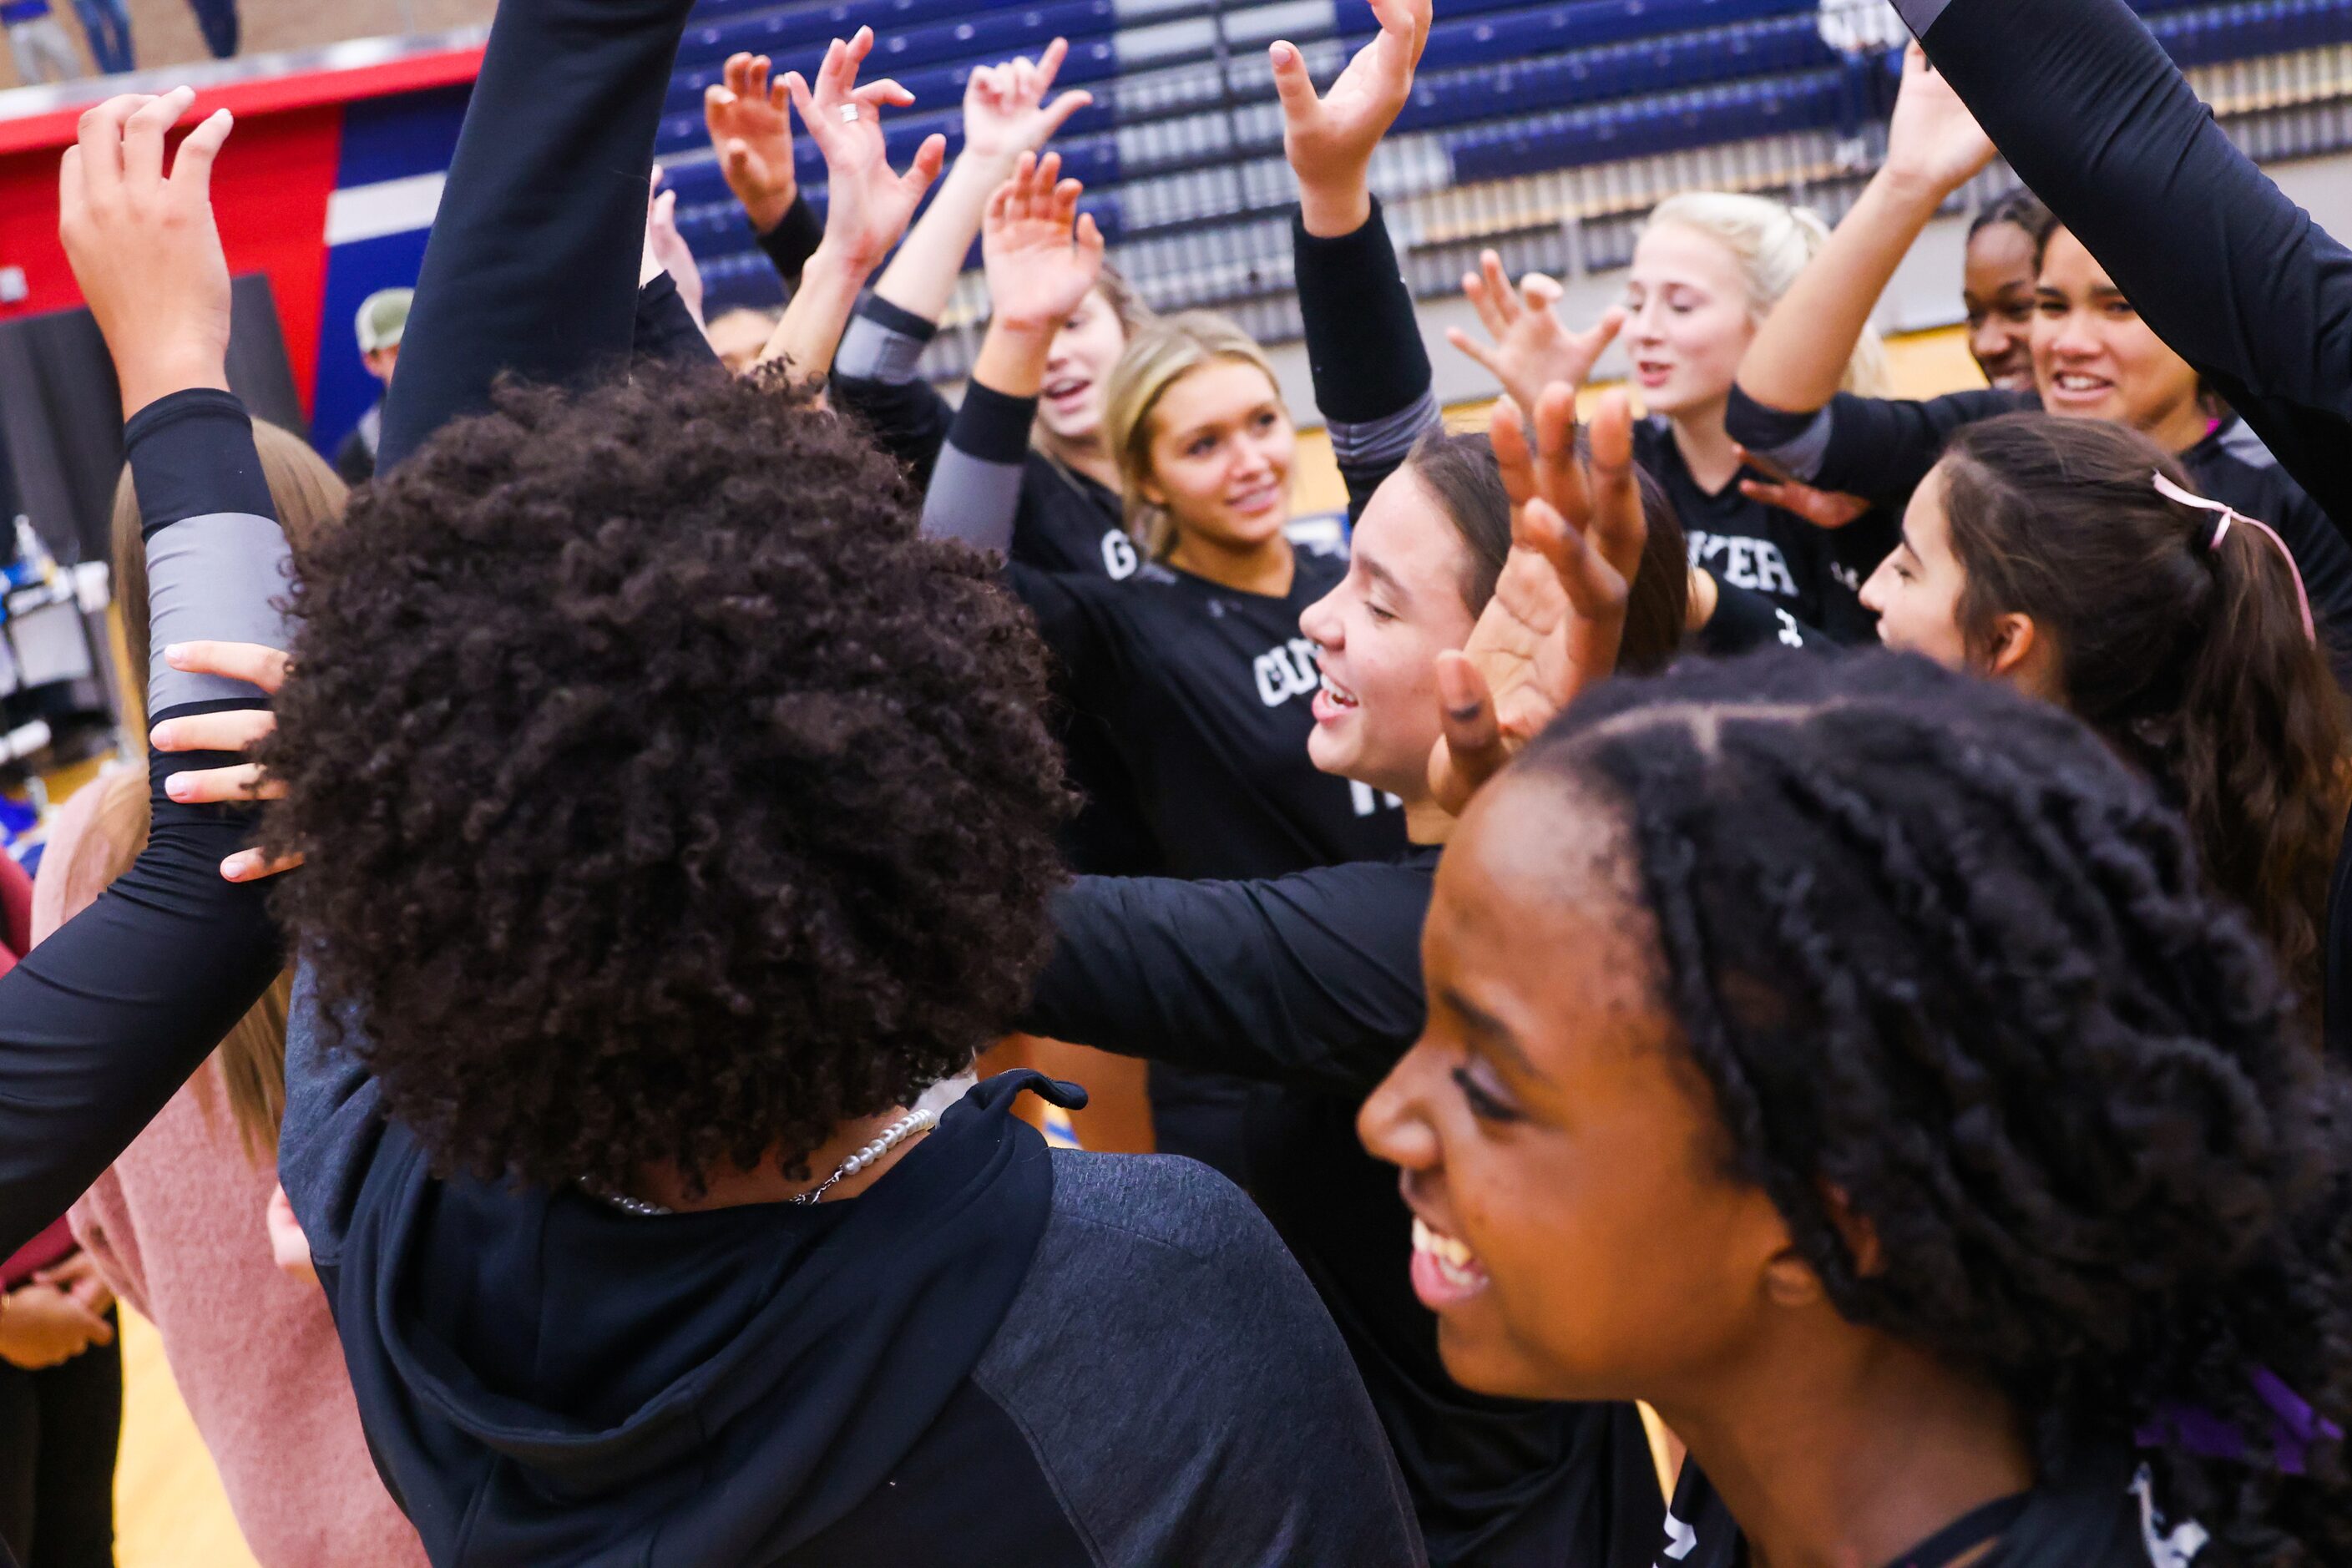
(1544, 131)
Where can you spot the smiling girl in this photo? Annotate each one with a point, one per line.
(2091, 357)
(1843, 1056)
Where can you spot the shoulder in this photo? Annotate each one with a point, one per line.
(1179, 1214)
(1182, 1385)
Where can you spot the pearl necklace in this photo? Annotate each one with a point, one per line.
(898, 1133)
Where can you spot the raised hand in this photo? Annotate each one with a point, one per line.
(232, 729)
(667, 250)
(1329, 139)
(143, 244)
(1558, 616)
(869, 206)
(1041, 254)
(1532, 347)
(752, 135)
(1932, 139)
(1004, 109)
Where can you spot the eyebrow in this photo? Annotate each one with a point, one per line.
(1386, 578)
(1491, 1034)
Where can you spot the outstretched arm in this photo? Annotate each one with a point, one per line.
(102, 1021)
(752, 133)
(532, 267)
(867, 205)
(1042, 257)
(2236, 277)
(1312, 980)
(1373, 381)
(1004, 115)
(1932, 148)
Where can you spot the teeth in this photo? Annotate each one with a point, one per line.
(1336, 694)
(1445, 1248)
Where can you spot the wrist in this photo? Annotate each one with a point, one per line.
(1915, 191)
(766, 209)
(151, 377)
(1012, 358)
(837, 259)
(1330, 209)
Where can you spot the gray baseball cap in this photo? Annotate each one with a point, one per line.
(383, 316)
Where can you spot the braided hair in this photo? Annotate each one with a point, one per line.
(1946, 960)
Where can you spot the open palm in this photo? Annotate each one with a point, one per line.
(869, 206)
(1004, 109)
(1532, 348)
(1558, 616)
(753, 134)
(1042, 255)
(1332, 136)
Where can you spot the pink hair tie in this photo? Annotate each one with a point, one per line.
(2229, 514)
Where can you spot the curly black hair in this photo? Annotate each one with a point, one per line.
(1937, 950)
(666, 798)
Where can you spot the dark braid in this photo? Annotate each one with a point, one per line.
(1938, 951)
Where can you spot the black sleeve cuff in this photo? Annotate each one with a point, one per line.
(1362, 341)
(897, 319)
(191, 454)
(793, 240)
(992, 427)
(1761, 428)
(667, 332)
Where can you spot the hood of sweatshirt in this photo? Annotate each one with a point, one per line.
(545, 1378)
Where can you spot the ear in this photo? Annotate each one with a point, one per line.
(1791, 1281)
(1149, 491)
(2017, 648)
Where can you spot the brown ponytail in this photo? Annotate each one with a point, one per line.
(2190, 658)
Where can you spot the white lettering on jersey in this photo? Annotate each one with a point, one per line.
(1369, 800)
(1790, 634)
(1118, 555)
(1681, 1540)
(1286, 672)
(2166, 1548)
(1753, 564)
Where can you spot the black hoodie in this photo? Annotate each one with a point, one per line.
(998, 1354)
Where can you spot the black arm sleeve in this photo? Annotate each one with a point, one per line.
(1372, 380)
(2097, 119)
(532, 266)
(1745, 620)
(975, 489)
(874, 377)
(104, 1020)
(1876, 448)
(793, 240)
(1312, 980)
(666, 332)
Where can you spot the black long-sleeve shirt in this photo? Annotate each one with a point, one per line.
(99, 1023)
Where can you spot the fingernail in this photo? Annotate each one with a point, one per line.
(176, 786)
(161, 736)
(173, 654)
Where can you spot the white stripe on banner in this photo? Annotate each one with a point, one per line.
(392, 206)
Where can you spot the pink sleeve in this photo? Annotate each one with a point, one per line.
(102, 1222)
(74, 863)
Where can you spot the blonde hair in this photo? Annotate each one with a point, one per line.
(251, 1060)
(1772, 241)
(1158, 355)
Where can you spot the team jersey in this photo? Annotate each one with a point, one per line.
(1205, 692)
(2108, 1517)
(1814, 575)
